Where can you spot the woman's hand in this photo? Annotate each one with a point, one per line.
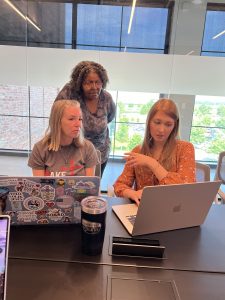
(133, 159)
(133, 195)
(38, 172)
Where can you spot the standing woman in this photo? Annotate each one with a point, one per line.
(87, 85)
(161, 159)
(64, 151)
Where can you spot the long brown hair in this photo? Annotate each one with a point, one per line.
(170, 109)
(53, 133)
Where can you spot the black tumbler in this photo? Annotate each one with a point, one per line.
(93, 218)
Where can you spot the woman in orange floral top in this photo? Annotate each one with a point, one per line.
(161, 159)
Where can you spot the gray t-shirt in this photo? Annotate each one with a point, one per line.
(67, 161)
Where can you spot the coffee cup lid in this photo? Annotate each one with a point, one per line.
(94, 205)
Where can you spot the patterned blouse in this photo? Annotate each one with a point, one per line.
(182, 171)
(95, 124)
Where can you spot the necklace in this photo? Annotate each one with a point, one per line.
(66, 153)
(92, 106)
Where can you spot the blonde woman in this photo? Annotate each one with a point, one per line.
(161, 159)
(64, 151)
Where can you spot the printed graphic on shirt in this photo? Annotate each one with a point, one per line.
(71, 169)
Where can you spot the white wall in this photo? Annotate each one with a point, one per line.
(169, 74)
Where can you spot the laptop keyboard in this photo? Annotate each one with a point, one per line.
(131, 218)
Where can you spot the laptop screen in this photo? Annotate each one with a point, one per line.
(4, 241)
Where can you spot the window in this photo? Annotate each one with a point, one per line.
(127, 130)
(24, 115)
(214, 34)
(96, 29)
(208, 127)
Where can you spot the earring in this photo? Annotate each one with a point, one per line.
(150, 139)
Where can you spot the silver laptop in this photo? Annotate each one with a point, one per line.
(47, 200)
(168, 207)
(4, 246)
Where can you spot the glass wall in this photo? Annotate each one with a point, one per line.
(208, 128)
(84, 27)
(173, 48)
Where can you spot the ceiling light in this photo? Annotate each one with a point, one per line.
(32, 23)
(22, 15)
(191, 52)
(219, 34)
(131, 16)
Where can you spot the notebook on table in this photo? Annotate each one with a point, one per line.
(168, 207)
(47, 200)
(4, 246)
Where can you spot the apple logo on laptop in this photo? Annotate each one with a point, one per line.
(177, 208)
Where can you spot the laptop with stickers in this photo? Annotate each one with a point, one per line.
(4, 246)
(47, 200)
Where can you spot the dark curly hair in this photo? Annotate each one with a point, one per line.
(81, 71)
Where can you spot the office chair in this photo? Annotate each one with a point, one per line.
(202, 172)
(110, 189)
(98, 166)
(220, 173)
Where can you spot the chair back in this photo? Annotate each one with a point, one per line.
(220, 175)
(98, 166)
(202, 172)
(220, 170)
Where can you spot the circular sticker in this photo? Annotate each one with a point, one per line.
(64, 201)
(43, 221)
(33, 203)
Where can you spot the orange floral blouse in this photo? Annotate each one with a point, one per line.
(182, 171)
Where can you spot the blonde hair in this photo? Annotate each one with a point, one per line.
(53, 133)
(170, 109)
